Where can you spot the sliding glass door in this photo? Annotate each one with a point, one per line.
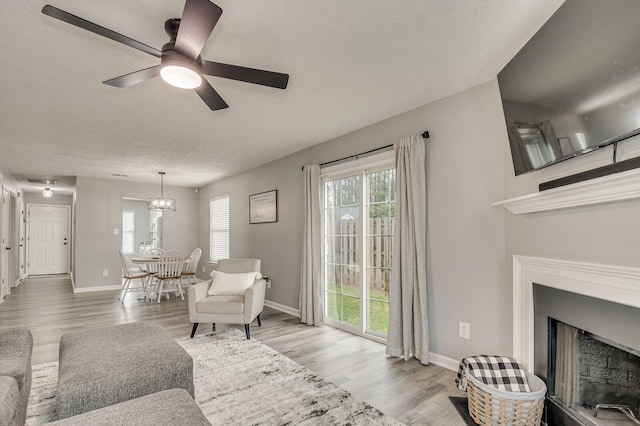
(358, 227)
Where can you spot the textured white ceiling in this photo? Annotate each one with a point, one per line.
(351, 64)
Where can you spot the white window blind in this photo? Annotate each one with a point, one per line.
(219, 228)
(128, 229)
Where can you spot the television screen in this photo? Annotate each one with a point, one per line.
(575, 86)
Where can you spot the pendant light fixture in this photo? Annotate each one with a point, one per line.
(163, 204)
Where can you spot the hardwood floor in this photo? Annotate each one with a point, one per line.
(408, 391)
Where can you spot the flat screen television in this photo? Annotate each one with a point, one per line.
(575, 86)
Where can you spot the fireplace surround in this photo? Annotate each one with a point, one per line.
(617, 284)
(603, 299)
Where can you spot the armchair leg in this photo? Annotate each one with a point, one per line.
(246, 330)
(193, 330)
(259, 321)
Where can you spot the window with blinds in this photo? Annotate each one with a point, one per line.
(128, 232)
(219, 228)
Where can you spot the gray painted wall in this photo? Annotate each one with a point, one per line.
(468, 155)
(99, 211)
(57, 199)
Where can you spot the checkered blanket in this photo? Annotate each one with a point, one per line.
(498, 371)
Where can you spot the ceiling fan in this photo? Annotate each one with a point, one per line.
(180, 62)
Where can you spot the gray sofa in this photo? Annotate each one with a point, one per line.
(16, 347)
(111, 397)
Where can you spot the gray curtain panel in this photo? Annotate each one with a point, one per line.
(311, 310)
(408, 333)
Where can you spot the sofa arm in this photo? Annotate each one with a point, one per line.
(197, 292)
(10, 401)
(254, 300)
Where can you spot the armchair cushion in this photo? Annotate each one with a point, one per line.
(222, 304)
(235, 284)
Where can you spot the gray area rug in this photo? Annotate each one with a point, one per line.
(241, 382)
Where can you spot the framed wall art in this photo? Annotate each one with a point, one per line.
(263, 207)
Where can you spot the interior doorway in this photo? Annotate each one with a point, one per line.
(5, 247)
(48, 239)
(141, 227)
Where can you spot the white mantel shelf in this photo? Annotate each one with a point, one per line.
(606, 189)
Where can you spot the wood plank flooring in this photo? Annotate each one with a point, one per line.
(408, 391)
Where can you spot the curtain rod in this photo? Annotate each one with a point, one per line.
(424, 134)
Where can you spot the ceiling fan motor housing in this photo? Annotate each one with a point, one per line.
(169, 54)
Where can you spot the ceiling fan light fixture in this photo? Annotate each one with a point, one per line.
(181, 76)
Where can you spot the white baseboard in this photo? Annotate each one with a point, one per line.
(443, 361)
(282, 308)
(434, 358)
(99, 288)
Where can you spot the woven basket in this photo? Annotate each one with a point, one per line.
(491, 406)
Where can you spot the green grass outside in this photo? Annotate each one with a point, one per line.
(345, 307)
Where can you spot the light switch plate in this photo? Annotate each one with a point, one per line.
(464, 330)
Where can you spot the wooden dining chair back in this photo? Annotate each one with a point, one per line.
(191, 269)
(128, 275)
(170, 264)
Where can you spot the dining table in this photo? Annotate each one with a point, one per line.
(151, 260)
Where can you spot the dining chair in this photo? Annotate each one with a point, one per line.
(152, 268)
(169, 272)
(191, 269)
(128, 274)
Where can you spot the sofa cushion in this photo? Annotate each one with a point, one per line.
(221, 304)
(223, 283)
(166, 408)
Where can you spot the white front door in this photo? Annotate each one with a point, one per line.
(6, 244)
(48, 243)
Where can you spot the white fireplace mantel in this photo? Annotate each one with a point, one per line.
(606, 189)
(617, 284)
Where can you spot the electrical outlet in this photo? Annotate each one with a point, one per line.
(105, 272)
(464, 330)
(116, 231)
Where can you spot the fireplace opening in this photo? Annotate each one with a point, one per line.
(595, 379)
(609, 335)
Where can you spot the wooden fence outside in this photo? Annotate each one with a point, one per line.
(345, 253)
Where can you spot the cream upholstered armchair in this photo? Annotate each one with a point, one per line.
(233, 295)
